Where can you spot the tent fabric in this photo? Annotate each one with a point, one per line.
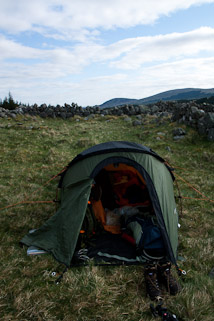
(60, 233)
(114, 146)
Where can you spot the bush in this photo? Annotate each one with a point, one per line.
(8, 103)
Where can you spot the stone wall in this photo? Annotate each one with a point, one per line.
(200, 117)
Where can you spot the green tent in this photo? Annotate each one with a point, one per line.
(59, 235)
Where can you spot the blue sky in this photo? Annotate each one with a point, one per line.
(90, 51)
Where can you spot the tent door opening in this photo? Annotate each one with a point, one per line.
(123, 210)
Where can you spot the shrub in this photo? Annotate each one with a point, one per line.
(8, 103)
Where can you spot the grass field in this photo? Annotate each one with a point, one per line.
(34, 150)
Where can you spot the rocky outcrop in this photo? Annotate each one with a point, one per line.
(200, 117)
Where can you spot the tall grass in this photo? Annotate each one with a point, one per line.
(35, 150)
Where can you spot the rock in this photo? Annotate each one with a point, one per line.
(210, 135)
(168, 149)
(209, 120)
(119, 112)
(69, 115)
(105, 112)
(12, 115)
(50, 113)
(132, 110)
(127, 119)
(154, 109)
(139, 117)
(43, 106)
(137, 123)
(91, 116)
(43, 115)
(196, 113)
(144, 109)
(161, 134)
(179, 132)
(3, 115)
(165, 114)
(178, 137)
(211, 273)
(86, 113)
(63, 115)
(201, 127)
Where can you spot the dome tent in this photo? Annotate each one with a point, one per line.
(59, 234)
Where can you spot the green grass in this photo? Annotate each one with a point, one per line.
(35, 150)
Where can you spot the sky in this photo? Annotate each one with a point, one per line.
(91, 51)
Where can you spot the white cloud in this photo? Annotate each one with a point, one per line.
(125, 54)
(46, 79)
(11, 49)
(55, 74)
(186, 73)
(142, 50)
(64, 18)
(55, 62)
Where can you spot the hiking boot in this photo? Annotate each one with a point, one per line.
(165, 277)
(152, 286)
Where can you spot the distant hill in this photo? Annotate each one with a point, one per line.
(118, 102)
(176, 94)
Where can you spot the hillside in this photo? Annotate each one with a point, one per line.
(33, 151)
(176, 94)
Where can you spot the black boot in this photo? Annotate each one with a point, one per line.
(165, 277)
(152, 286)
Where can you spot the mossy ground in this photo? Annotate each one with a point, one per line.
(34, 150)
